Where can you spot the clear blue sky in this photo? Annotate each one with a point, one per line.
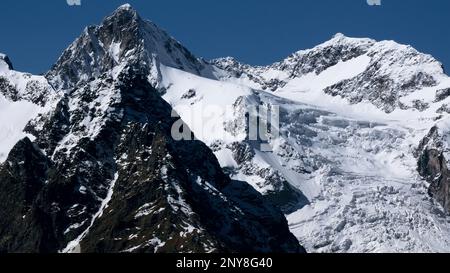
(34, 33)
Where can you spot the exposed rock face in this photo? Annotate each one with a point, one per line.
(317, 60)
(392, 72)
(442, 94)
(122, 37)
(279, 191)
(433, 166)
(24, 227)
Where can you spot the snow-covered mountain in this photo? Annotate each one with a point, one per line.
(364, 114)
(358, 115)
(359, 165)
(95, 168)
(384, 73)
(353, 112)
(122, 38)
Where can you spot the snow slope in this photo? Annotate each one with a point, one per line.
(352, 158)
(14, 116)
(17, 93)
(358, 170)
(207, 97)
(385, 74)
(364, 192)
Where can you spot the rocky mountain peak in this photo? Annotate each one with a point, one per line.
(102, 159)
(126, 8)
(340, 38)
(380, 72)
(124, 17)
(122, 38)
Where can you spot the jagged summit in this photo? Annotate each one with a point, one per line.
(340, 39)
(379, 72)
(125, 14)
(122, 39)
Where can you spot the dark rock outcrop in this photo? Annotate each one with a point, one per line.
(433, 166)
(24, 226)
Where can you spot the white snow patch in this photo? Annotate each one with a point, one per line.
(14, 116)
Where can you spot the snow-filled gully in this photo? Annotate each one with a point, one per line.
(74, 245)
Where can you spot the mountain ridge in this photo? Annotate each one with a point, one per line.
(343, 170)
(122, 37)
(393, 68)
(111, 161)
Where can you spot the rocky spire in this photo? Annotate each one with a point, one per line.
(122, 38)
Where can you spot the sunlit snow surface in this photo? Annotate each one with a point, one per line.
(14, 116)
(364, 191)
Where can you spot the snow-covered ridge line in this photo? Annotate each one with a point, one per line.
(390, 80)
(22, 97)
(122, 39)
(339, 39)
